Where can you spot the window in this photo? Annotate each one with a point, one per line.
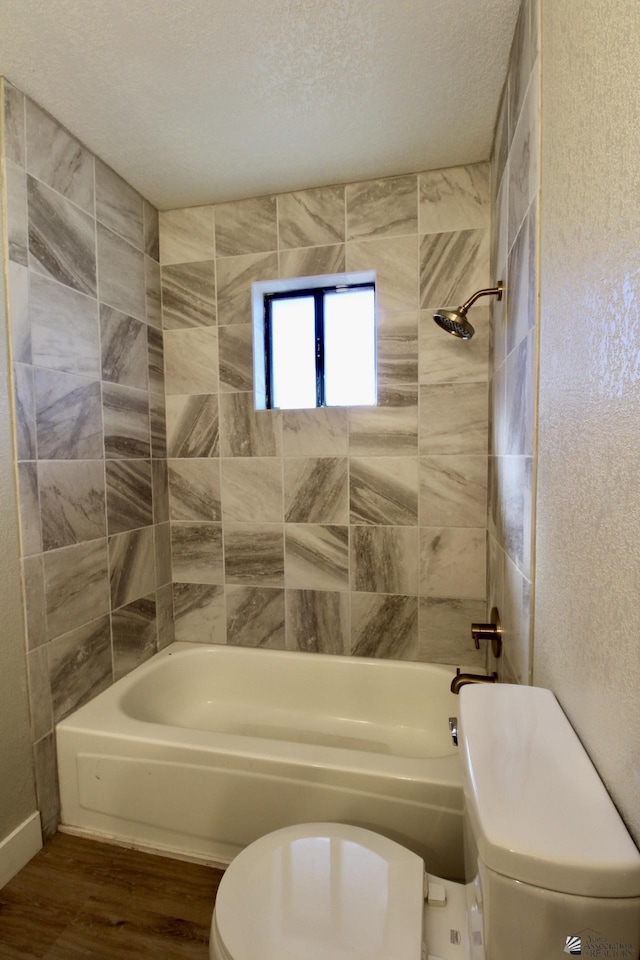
(315, 343)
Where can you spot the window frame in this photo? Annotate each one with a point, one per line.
(300, 292)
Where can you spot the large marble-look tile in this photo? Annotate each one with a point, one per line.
(57, 159)
(520, 303)
(158, 425)
(62, 241)
(246, 226)
(47, 792)
(160, 485)
(162, 553)
(199, 612)
(19, 318)
(455, 198)
(164, 616)
(382, 208)
(76, 581)
(192, 426)
(514, 485)
(155, 361)
(252, 489)
(72, 501)
(500, 145)
(516, 624)
(323, 432)
(126, 422)
(235, 349)
(445, 631)
(391, 428)
(313, 261)
(520, 400)
(311, 218)
(188, 295)
(17, 224)
(384, 490)
(64, 328)
(35, 612)
(234, 278)
(254, 554)
(191, 361)
(453, 562)
(247, 432)
(447, 359)
(186, 235)
(317, 621)
(196, 552)
(118, 206)
(523, 162)
(520, 64)
(135, 635)
(453, 266)
(384, 560)
(79, 666)
(131, 564)
(151, 230)
(39, 693)
(29, 509)
(14, 124)
(397, 357)
(395, 262)
(69, 418)
(255, 617)
(317, 556)
(194, 489)
(121, 271)
(25, 411)
(384, 626)
(153, 292)
(124, 348)
(316, 490)
(453, 491)
(129, 494)
(453, 418)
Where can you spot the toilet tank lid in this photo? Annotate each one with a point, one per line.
(539, 811)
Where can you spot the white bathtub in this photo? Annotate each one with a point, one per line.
(205, 748)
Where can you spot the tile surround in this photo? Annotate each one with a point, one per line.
(327, 503)
(84, 327)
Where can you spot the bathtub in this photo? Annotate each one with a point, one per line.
(203, 749)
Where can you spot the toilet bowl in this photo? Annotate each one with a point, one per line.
(551, 869)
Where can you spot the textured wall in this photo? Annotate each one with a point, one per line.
(341, 530)
(17, 788)
(587, 612)
(86, 345)
(512, 403)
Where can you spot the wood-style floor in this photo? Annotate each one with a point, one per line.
(80, 900)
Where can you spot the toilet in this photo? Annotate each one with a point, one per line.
(550, 869)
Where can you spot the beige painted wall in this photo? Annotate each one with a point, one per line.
(17, 791)
(587, 606)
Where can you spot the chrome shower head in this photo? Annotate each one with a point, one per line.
(455, 321)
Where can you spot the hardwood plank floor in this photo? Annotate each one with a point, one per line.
(82, 900)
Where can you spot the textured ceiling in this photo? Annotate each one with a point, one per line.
(194, 101)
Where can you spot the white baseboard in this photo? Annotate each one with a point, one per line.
(17, 849)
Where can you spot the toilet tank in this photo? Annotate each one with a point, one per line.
(551, 869)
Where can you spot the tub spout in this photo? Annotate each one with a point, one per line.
(461, 678)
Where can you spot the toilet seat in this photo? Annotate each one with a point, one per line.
(320, 891)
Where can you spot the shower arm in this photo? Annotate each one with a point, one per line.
(493, 291)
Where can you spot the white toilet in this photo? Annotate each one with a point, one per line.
(551, 869)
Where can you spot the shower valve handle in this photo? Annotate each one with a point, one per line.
(489, 631)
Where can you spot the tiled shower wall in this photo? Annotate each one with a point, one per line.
(86, 342)
(346, 531)
(513, 357)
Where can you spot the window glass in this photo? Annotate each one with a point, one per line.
(293, 353)
(350, 348)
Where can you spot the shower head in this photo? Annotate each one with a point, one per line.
(455, 321)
